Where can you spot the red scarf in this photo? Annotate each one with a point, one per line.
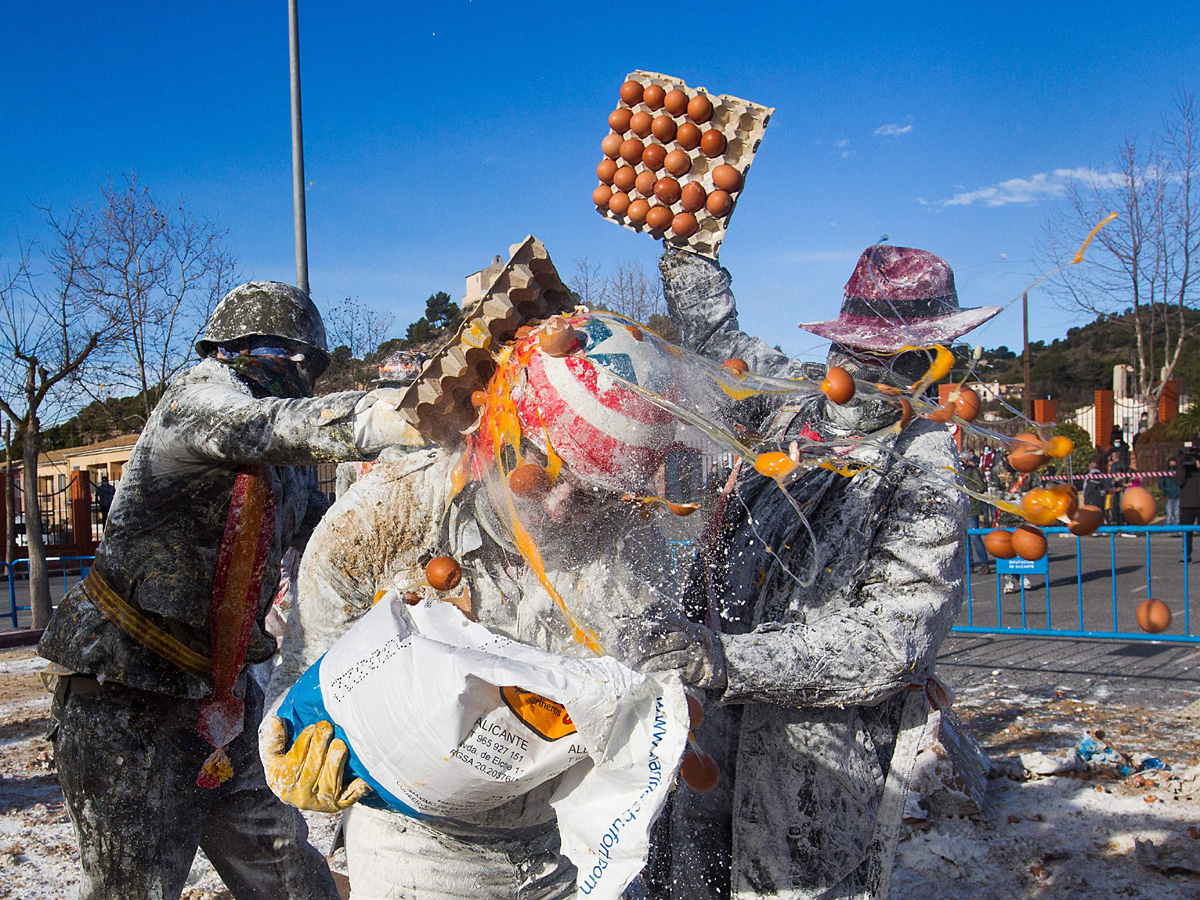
(237, 589)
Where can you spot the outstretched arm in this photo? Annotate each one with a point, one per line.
(704, 310)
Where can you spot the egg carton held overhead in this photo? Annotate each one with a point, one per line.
(527, 288)
(676, 159)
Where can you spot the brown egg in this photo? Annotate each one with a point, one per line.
(618, 120)
(688, 136)
(676, 102)
(682, 509)
(1069, 497)
(719, 203)
(906, 409)
(479, 399)
(712, 143)
(727, 178)
(677, 162)
(1139, 506)
(966, 404)
(631, 92)
(667, 190)
(695, 713)
(659, 218)
(529, 480)
(692, 196)
(631, 151)
(1060, 446)
(653, 96)
(611, 146)
(409, 598)
(624, 178)
(634, 332)
(639, 123)
(443, 573)
(606, 170)
(999, 543)
(601, 196)
(699, 771)
(558, 339)
(645, 183)
(737, 365)
(663, 128)
(653, 156)
(1153, 616)
(1086, 520)
(700, 109)
(838, 385)
(618, 203)
(1028, 453)
(637, 211)
(684, 224)
(1043, 506)
(943, 413)
(1029, 542)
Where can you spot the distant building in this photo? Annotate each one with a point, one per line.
(58, 471)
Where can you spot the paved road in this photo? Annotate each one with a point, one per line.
(1154, 675)
(1083, 598)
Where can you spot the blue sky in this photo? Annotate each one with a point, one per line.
(437, 134)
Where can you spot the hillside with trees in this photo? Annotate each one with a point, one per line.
(1070, 369)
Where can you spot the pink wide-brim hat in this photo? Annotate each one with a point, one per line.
(900, 297)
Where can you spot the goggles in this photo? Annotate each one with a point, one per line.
(274, 352)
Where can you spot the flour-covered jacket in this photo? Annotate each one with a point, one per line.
(610, 568)
(164, 531)
(824, 632)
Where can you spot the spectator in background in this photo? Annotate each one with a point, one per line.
(1009, 484)
(1117, 468)
(1095, 488)
(104, 497)
(1187, 476)
(1170, 490)
(974, 480)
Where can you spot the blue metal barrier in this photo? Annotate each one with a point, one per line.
(1088, 611)
(83, 565)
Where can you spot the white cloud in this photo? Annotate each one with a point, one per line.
(893, 129)
(844, 142)
(1044, 185)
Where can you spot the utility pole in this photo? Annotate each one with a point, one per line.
(1025, 316)
(297, 151)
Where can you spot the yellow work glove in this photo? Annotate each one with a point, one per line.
(309, 774)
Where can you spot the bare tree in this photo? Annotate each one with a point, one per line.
(354, 325)
(630, 292)
(47, 334)
(155, 271)
(1140, 266)
(589, 283)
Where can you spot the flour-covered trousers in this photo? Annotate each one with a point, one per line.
(393, 857)
(128, 761)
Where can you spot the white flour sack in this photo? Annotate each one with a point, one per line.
(445, 718)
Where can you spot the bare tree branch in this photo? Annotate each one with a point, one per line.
(1138, 269)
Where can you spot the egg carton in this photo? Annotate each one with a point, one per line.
(740, 122)
(438, 404)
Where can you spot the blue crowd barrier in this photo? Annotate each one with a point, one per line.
(1081, 620)
(84, 566)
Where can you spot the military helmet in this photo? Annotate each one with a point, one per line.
(267, 309)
